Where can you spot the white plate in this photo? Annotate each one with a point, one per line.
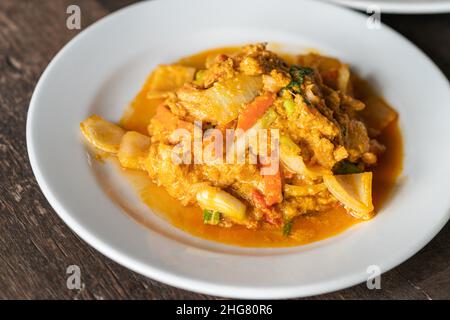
(102, 69)
(399, 6)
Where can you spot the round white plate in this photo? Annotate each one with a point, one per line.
(399, 6)
(102, 69)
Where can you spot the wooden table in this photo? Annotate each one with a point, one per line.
(36, 247)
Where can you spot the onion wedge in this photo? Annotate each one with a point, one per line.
(354, 191)
(102, 134)
(133, 150)
(215, 199)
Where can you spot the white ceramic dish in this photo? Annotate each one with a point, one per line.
(399, 6)
(102, 69)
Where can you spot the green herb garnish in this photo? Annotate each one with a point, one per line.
(346, 167)
(211, 217)
(298, 74)
(287, 227)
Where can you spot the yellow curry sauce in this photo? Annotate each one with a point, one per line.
(306, 228)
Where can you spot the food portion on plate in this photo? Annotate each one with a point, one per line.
(320, 150)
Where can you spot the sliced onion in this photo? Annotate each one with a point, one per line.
(354, 191)
(215, 199)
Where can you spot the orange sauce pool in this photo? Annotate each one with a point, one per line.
(306, 228)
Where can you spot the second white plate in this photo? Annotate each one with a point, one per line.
(398, 6)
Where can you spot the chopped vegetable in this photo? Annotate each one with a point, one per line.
(287, 228)
(289, 146)
(271, 185)
(298, 74)
(343, 78)
(104, 135)
(211, 217)
(170, 121)
(133, 150)
(346, 167)
(215, 199)
(165, 122)
(289, 106)
(221, 103)
(167, 78)
(377, 115)
(259, 201)
(254, 110)
(271, 188)
(269, 117)
(271, 214)
(328, 67)
(199, 77)
(330, 76)
(354, 191)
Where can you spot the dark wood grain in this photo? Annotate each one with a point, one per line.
(36, 246)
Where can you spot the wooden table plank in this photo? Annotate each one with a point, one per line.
(36, 247)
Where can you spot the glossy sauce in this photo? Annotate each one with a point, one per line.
(306, 228)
